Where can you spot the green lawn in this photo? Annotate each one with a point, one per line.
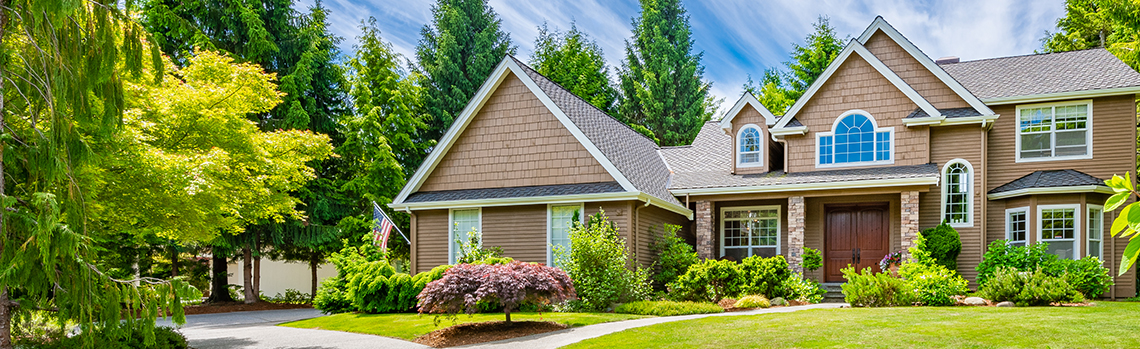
(410, 326)
(1106, 325)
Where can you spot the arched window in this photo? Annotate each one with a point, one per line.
(855, 139)
(958, 193)
(749, 148)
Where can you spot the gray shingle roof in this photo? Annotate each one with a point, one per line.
(1049, 179)
(722, 179)
(515, 192)
(949, 113)
(1084, 70)
(711, 151)
(634, 155)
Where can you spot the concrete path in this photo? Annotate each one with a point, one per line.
(258, 329)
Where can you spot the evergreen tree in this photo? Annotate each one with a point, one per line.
(576, 63)
(1111, 24)
(457, 52)
(779, 90)
(661, 78)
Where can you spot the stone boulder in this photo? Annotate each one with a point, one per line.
(975, 301)
(1006, 304)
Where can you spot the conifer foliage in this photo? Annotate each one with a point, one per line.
(576, 63)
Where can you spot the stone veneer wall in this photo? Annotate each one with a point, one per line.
(796, 212)
(909, 204)
(704, 230)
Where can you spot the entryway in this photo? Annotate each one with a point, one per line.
(855, 234)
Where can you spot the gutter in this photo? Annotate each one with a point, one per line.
(536, 200)
(870, 183)
(1052, 190)
(1063, 95)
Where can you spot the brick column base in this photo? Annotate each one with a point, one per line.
(704, 230)
(796, 213)
(909, 205)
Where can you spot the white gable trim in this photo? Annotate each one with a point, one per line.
(857, 48)
(747, 99)
(507, 65)
(881, 24)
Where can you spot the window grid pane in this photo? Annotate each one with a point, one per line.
(561, 218)
(749, 232)
(1054, 131)
(462, 222)
(1017, 228)
(1058, 228)
(750, 145)
(957, 194)
(1095, 232)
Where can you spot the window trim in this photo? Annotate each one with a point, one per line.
(1088, 237)
(969, 192)
(760, 153)
(1053, 133)
(451, 231)
(874, 124)
(779, 225)
(1009, 224)
(1078, 225)
(550, 228)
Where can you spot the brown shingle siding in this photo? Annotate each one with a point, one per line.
(914, 73)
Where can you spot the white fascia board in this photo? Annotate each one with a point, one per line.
(923, 121)
(1064, 95)
(982, 120)
(922, 58)
(787, 131)
(1054, 190)
(870, 183)
(856, 47)
(549, 200)
(747, 99)
(678, 209)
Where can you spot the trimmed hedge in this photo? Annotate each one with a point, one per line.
(667, 308)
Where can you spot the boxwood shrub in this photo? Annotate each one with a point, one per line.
(667, 308)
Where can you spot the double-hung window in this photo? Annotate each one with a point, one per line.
(560, 222)
(750, 231)
(957, 193)
(855, 139)
(1058, 226)
(750, 148)
(1054, 131)
(1095, 232)
(462, 222)
(1016, 225)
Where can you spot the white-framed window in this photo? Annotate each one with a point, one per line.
(749, 231)
(855, 140)
(750, 146)
(1016, 226)
(958, 193)
(1059, 225)
(462, 221)
(1095, 232)
(1058, 131)
(560, 217)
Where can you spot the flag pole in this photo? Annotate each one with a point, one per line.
(378, 209)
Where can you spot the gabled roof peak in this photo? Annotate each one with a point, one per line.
(747, 99)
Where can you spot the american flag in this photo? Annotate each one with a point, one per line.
(382, 227)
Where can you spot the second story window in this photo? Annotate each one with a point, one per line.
(749, 152)
(855, 140)
(1054, 131)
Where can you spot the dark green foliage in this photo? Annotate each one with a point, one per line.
(667, 308)
(598, 263)
(813, 259)
(764, 276)
(457, 52)
(674, 255)
(645, 132)
(1111, 24)
(164, 338)
(1023, 258)
(1028, 288)
(869, 289)
(944, 245)
(576, 63)
(709, 281)
(367, 283)
(1087, 275)
(661, 79)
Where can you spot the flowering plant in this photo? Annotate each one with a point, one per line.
(893, 258)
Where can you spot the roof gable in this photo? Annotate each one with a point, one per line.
(747, 99)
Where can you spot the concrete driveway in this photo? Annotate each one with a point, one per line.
(258, 329)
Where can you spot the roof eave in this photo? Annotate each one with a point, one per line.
(868, 183)
(1044, 97)
(1052, 190)
(534, 200)
(982, 120)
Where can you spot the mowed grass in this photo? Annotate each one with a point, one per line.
(410, 326)
(1106, 325)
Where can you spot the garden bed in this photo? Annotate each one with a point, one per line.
(228, 307)
(482, 332)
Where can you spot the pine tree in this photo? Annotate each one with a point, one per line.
(661, 78)
(457, 52)
(576, 63)
(1111, 24)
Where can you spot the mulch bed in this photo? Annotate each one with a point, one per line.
(481, 332)
(214, 308)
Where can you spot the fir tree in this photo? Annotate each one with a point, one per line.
(576, 63)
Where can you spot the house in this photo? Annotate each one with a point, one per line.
(885, 143)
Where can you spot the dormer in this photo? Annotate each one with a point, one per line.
(747, 123)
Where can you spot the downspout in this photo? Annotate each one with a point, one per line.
(1112, 249)
(412, 244)
(985, 201)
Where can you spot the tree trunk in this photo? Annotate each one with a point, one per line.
(173, 261)
(5, 321)
(247, 275)
(219, 290)
(508, 311)
(257, 268)
(313, 261)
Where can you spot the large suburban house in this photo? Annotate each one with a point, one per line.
(885, 143)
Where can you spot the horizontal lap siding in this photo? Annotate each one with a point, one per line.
(650, 226)
(514, 141)
(949, 143)
(914, 73)
(431, 239)
(519, 230)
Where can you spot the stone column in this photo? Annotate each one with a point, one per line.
(704, 230)
(796, 213)
(909, 206)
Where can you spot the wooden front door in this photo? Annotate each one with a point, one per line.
(855, 235)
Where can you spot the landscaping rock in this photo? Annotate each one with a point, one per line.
(779, 301)
(975, 301)
(1006, 304)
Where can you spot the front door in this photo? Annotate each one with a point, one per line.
(855, 235)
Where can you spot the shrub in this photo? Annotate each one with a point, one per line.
(674, 256)
(763, 276)
(800, 289)
(365, 282)
(667, 308)
(332, 296)
(933, 284)
(752, 302)
(779, 301)
(291, 296)
(1028, 288)
(868, 289)
(164, 338)
(944, 245)
(709, 281)
(597, 262)
(1001, 255)
(509, 285)
(813, 259)
(1088, 275)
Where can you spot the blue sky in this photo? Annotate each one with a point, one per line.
(738, 37)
